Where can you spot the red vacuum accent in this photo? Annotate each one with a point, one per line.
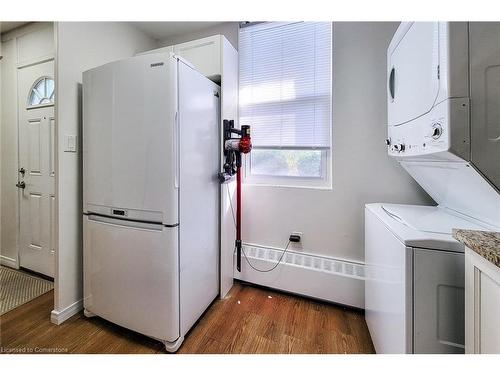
(233, 148)
(238, 212)
(245, 144)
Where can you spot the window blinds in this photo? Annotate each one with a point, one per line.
(285, 82)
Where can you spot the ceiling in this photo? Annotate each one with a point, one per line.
(157, 30)
(7, 26)
(162, 30)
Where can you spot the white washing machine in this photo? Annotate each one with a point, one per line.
(443, 95)
(414, 287)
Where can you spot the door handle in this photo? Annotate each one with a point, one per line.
(392, 83)
(21, 185)
(177, 147)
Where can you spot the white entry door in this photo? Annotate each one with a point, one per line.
(36, 167)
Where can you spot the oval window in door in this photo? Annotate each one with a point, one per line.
(42, 92)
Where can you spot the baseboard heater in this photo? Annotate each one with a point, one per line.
(324, 278)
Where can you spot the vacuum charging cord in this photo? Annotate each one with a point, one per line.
(243, 251)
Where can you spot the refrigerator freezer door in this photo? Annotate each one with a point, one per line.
(131, 275)
(129, 139)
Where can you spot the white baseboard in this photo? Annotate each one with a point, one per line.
(328, 279)
(58, 317)
(8, 262)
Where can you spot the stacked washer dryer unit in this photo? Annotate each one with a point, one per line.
(444, 129)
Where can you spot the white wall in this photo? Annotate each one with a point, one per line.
(28, 44)
(80, 46)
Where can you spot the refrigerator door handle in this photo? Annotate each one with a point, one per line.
(176, 150)
(125, 223)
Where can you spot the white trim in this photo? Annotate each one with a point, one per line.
(9, 262)
(58, 317)
(324, 278)
(324, 182)
(36, 61)
(41, 106)
(56, 169)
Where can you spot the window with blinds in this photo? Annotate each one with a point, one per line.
(285, 83)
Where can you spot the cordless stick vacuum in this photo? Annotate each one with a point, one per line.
(233, 148)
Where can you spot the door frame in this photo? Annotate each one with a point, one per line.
(56, 169)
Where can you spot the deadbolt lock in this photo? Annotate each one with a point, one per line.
(22, 171)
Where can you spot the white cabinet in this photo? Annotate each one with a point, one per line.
(229, 110)
(482, 304)
(208, 55)
(157, 50)
(217, 59)
(204, 54)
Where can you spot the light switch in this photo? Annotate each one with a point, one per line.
(70, 143)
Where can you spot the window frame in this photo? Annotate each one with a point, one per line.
(35, 83)
(324, 182)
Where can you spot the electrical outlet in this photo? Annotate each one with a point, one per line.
(293, 243)
(295, 238)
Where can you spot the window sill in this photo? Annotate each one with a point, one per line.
(326, 187)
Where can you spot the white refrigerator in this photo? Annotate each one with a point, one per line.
(150, 195)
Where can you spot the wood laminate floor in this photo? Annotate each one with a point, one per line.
(249, 320)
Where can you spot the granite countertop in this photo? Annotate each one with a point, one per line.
(486, 244)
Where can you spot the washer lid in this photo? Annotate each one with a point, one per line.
(429, 219)
(424, 226)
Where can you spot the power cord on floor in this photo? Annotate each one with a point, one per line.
(243, 251)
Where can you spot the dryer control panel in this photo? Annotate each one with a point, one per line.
(429, 137)
(425, 136)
